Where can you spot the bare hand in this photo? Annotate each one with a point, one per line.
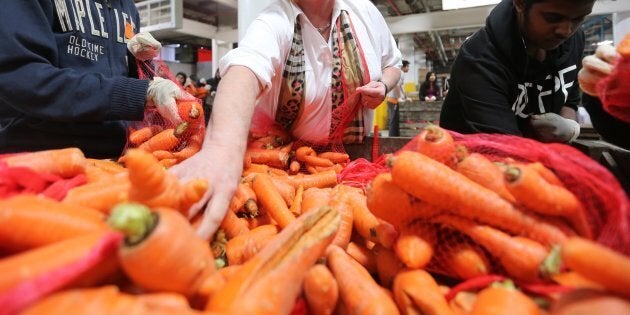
(223, 171)
(372, 94)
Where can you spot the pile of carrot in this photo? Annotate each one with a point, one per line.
(171, 144)
(297, 241)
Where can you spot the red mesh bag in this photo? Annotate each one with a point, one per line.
(170, 144)
(614, 90)
(604, 202)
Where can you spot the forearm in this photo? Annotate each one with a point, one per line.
(233, 109)
(391, 76)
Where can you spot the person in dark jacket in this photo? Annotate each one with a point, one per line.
(518, 74)
(67, 76)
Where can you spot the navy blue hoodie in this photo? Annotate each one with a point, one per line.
(65, 75)
(495, 86)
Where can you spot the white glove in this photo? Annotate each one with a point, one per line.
(596, 67)
(162, 94)
(550, 127)
(143, 46)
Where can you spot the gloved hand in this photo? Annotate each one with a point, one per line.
(596, 67)
(550, 127)
(143, 46)
(162, 94)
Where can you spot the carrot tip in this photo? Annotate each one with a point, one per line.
(512, 173)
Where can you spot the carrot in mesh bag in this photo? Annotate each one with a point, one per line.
(157, 134)
(614, 90)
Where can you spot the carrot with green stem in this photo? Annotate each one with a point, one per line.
(63, 162)
(357, 289)
(164, 238)
(439, 185)
(320, 290)
(521, 257)
(597, 263)
(534, 192)
(30, 221)
(416, 292)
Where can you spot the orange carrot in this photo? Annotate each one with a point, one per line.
(101, 195)
(244, 200)
(535, 193)
(339, 201)
(40, 261)
(233, 225)
(521, 257)
(466, 261)
(189, 110)
(315, 198)
(546, 173)
(296, 206)
(623, 48)
(500, 300)
(270, 282)
(439, 185)
(320, 290)
(573, 279)
(335, 157)
(307, 155)
(363, 256)
(63, 162)
(437, 144)
(369, 226)
(106, 165)
(191, 192)
(273, 157)
(109, 300)
(415, 245)
(358, 291)
(481, 170)
(29, 221)
(598, 263)
(416, 292)
(163, 154)
(143, 134)
(319, 180)
(167, 139)
(95, 174)
(382, 193)
(192, 145)
(242, 247)
(589, 301)
(166, 239)
(286, 190)
(271, 199)
(387, 265)
(294, 167)
(260, 220)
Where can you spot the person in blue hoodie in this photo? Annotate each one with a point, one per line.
(518, 74)
(68, 79)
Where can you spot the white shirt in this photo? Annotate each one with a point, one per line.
(267, 42)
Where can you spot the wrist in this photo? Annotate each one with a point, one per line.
(385, 85)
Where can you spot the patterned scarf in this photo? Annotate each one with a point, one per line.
(350, 71)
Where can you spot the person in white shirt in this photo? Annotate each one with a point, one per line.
(304, 63)
(394, 98)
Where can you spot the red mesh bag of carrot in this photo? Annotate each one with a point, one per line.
(170, 144)
(498, 203)
(614, 90)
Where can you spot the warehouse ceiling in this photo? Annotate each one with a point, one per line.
(440, 46)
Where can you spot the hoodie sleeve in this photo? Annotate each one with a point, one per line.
(32, 85)
(482, 91)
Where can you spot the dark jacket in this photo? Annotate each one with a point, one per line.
(64, 75)
(495, 86)
(610, 128)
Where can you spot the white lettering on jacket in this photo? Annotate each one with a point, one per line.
(522, 99)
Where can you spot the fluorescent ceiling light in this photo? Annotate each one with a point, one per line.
(459, 4)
